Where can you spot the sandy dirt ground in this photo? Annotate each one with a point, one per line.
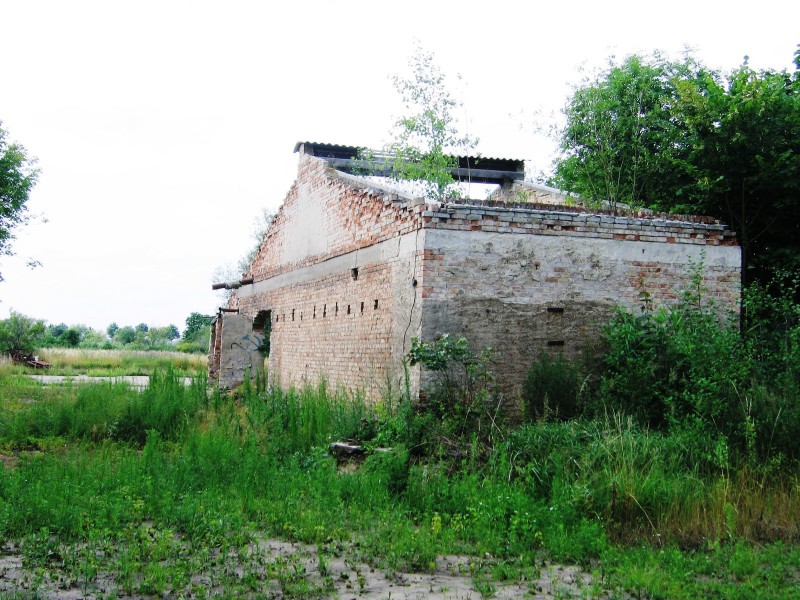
(345, 579)
(140, 381)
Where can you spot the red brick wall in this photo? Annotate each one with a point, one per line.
(333, 327)
(354, 216)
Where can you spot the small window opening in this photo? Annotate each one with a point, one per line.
(262, 324)
(354, 273)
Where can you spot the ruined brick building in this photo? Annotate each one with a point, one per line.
(350, 272)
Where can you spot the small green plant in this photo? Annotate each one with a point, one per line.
(459, 403)
(552, 389)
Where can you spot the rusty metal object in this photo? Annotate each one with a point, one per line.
(29, 360)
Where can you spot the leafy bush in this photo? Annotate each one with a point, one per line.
(460, 406)
(20, 334)
(552, 389)
(680, 369)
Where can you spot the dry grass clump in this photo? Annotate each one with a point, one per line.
(120, 362)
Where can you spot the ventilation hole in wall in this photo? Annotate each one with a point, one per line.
(362, 308)
(314, 314)
(354, 273)
(324, 310)
(336, 310)
(348, 309)
(555, 309)
(292, 314)
(555, 342)
(301, 315)
(375, 307)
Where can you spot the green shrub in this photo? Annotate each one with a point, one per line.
(676, 368)
(552, 389)
(460, 407)
(20, 334)
(680, 369)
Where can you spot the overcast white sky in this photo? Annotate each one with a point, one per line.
(163, 127)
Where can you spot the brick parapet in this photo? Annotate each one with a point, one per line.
(572, 222)
(358, 215)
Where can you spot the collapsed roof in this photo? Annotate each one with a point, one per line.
(361, 161)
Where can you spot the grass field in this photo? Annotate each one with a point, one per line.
(175, 492)
(110, 363)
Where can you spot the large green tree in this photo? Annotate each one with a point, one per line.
(623, 141)
(675, 136)
(20, 334)
(196, 325)
(17, 178)
(746, 162)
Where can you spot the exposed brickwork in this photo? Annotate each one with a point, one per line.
(334, 327)
(215, 348)
(523, 294)
(353, 216)
(576, 222)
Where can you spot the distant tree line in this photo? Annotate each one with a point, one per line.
(19, 333)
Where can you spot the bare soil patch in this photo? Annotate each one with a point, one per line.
(273, 568)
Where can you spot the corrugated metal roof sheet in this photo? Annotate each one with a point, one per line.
(485, 168)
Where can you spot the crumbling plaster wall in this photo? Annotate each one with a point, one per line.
(331, 323)
(521, 286)
(240, 350)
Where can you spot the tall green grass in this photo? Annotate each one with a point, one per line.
(298, 420)
(96, 362)
(127, 469)
(113, 411)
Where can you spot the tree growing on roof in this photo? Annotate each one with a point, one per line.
(427, 139)
(233, 271)
(624, 139)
